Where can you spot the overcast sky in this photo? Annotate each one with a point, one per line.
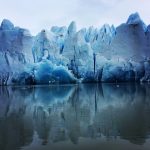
(38, 14)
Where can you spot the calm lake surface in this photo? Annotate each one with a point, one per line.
(73, 117)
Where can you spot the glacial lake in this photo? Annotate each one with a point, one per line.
(75, 117)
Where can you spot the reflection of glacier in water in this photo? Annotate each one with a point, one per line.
(55, 114)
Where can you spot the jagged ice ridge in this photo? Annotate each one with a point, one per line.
(65, 55)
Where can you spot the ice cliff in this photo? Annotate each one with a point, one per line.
(68, 55)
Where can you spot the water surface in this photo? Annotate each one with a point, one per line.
(73, 117)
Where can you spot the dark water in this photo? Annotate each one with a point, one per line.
(73, 117)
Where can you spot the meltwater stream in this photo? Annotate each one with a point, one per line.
(73, 117)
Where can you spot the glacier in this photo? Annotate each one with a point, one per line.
(63, 55)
